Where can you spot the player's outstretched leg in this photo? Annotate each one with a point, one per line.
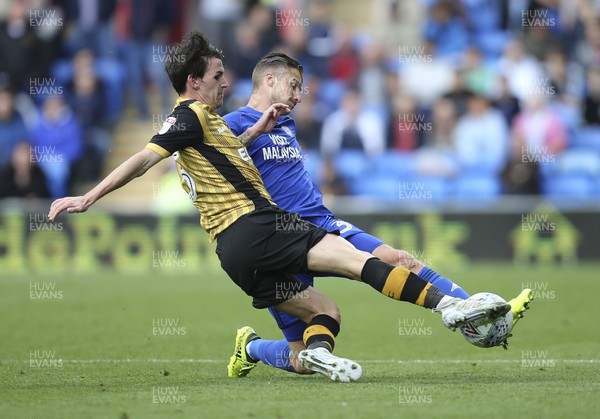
(401, 284)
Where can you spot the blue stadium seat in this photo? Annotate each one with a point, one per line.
(380, 187)
(351, 164)
(394, 164)
(243, 88)
(312, 163)
(331, 91)
(476, 187)
(569, 186)
(579, 161)
(586, 137)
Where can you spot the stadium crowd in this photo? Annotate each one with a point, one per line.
(473, 99)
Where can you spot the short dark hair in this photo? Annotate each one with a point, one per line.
(273, 60)
(189, 57)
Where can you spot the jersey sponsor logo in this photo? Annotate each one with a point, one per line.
(281, 153)
(221, 129)
(167, 124)
(244, 153)
(279, 139)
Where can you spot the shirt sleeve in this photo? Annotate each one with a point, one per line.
(182, 129)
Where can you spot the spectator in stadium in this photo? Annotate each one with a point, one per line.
(506, 102)
(12, 128)
(248, 51)
(89, 26)
(353, 127)
(344, 64)
(446, 29)
(564, 77)
(405, 133)
(538, 136)
(145, 51)
(481, 137)
(436, 156)
(85, 95)
(591, 103)
(477, 76)
(522, 71)
(23, 178)
(372, 76)
(57, 142)
(19, 42)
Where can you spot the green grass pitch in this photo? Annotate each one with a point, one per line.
(107, 346)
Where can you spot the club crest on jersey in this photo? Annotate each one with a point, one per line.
(287, 131)
(167, 124)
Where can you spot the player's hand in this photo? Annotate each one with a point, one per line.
(269, 117)
(71, 204)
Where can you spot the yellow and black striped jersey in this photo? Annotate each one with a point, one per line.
(214, 167)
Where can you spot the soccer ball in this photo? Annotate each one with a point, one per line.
(487, 335)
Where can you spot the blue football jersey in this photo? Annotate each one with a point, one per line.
(278, 157)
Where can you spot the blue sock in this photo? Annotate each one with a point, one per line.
(271, 352)
(443, 284)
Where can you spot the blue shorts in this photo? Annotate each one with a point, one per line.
(292, 327)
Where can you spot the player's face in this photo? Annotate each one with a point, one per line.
(287, 88)
(213, 84)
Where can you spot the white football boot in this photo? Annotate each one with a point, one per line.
(324, 362)
(456, 311)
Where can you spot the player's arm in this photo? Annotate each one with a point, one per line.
(265, 124)
(134, 167)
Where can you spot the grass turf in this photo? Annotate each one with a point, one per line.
(95, 352)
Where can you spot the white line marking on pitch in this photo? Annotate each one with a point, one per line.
(370, 361)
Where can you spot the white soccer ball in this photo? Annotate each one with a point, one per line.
(487, 335)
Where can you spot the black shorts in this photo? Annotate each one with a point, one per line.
(261, 251)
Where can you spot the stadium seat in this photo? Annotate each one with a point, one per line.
(569, 186)
(331, 91)
(579, 161)
(243, 88)
(380, 187)
(313, 163)
(476, 187)
(394, 163)
(351, 164)
(586, 137)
